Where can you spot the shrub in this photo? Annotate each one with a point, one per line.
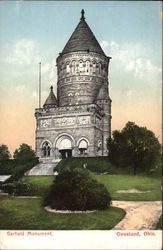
(94, 164)
(16, 168)
(18, 188)
(74, 189)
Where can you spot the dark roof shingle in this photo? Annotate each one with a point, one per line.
(51, 101)
(82, 39)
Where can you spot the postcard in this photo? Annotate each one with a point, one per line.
(80, 141)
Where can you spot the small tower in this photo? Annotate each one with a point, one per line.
(51, 101)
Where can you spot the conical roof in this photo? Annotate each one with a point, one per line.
(82, 39)
(51, 101)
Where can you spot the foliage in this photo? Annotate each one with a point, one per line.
(16, 168)
(94, 164)
(74, 189)
(7, 166)
(4, 152)
(28, 214)
(24, 152)
(17, 188)
(135, 147)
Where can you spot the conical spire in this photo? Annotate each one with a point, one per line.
(82, 39)
(51, 101)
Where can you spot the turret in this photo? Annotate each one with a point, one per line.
(82, 68)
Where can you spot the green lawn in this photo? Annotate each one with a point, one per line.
(40, 184)
(123, 182)
(112, 183)
(24, 214)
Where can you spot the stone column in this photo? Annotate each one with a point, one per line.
(75, 151)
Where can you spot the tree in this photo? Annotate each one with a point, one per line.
(25, 152)
(134, 146)
(74, 189)
(4, 152)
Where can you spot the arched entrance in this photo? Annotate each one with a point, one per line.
(65, 148)
(64, 145)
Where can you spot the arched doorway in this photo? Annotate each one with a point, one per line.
(64, 146)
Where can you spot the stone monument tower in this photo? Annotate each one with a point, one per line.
(78, 121)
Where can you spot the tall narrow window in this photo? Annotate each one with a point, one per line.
(99, 68)
(87, 66)
(67, 68)
(94, 67)
(46, 149)
(73, 67)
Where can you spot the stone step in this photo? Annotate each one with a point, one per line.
(42, 169)
(2, 193)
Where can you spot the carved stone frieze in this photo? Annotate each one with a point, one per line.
(45, 123)
(64, 121)
(84, 120)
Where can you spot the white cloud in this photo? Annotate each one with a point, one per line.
(45, 68)
(49, 72)
(34, 94)
(20, 88)
(114, 46)
(104, 44)
(24, 52)
(133, 58)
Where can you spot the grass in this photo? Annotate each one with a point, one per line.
(24, 214)
(123, 182)
(40, 184)
(112, 182)
(21, 214)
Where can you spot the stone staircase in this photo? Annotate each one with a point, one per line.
(42, 169)
(3, 193)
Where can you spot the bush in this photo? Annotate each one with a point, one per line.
(17, 188)
(16, 168)
(94, 164)
(74, 189)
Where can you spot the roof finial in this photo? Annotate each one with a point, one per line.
(51, 88)
(82, 15)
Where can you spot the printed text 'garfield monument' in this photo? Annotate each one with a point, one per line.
(78, 121)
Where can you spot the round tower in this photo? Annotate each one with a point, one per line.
(82, 68)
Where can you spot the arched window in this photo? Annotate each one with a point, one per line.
(46, 149)
(80, 64)
(94, 67)
(83, 147)
(87, 66)
(73, 67)
(99, 68)
(67, 67)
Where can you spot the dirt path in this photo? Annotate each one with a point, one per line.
(140, 215)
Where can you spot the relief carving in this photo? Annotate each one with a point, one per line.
(98, 122)
(83, 120)
(64, 121)
(46, 123)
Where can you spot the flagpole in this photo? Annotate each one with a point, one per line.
(39, 84)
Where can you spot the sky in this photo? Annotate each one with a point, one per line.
(37, 31)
